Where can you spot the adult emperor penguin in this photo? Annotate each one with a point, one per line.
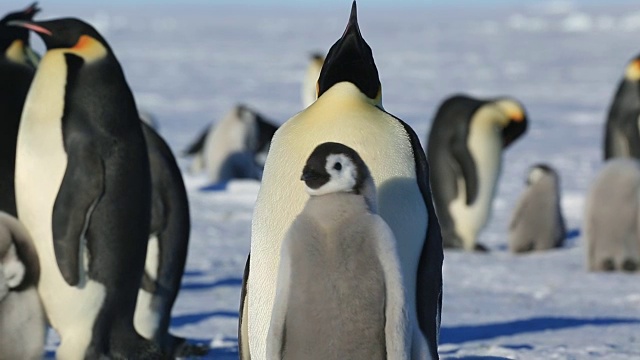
(612, 217)
(348, 111)
(166, 251)
(83, 191)
(465, 147)
(234, 148)
(537, 222)
(309, 91)
(22, 319)
(17, 67)
(338, 265)
(622, 132)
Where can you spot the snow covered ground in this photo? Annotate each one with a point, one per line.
(189, 65)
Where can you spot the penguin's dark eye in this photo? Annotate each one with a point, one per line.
(337, 166)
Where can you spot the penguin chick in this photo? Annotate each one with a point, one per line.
(537, 222)
(339, 289)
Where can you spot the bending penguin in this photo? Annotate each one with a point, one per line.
(309, 91)
(83, 191)
(235, 148)
(338, 264)
(348, 111)
(22, 319)
(166, 250)
(537, 222)
(17, 67)
(622, 132)
(612, 217)
(465, 147)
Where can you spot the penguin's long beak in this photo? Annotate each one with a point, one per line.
(31, 26)
(350, 59)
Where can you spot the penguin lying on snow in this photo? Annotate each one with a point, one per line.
(235, 148)
(309, 92)
(22, 319)
(348, 111)
(537, 222)
(81, 161)
(622, 132)
(612, 217)
(17, 67)
(340, 292)
(465, 147)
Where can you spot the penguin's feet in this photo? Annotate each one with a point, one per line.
(184, 349)
(480, 248)
(608, 265)
(139, 349)
(630, 265)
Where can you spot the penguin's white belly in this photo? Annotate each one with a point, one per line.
(40, 166)
(485, 146)
(339, 115)
(146, 320)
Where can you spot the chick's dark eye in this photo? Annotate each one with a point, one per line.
(337, 166)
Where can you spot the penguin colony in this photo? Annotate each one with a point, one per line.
(366, 225)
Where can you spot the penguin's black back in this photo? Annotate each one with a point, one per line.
(623, 119)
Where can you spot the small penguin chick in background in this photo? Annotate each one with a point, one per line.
(537, 222)
(339, 280)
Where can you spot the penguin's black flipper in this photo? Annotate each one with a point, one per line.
(80, 191)
(466, 164)
(243, 341)
(197, 145)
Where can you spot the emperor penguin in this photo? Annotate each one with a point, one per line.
(235, 148)
(348, 111)
(17, 67)
(339, 292)
(622, 132)
(612, 217)
(465, 147)
(309, 91)
(166, 251)
(537, 222)
(83, 191)
(22, 319)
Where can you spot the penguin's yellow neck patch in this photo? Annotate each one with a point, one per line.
(15, 52)
(632, 72)
(512, 110)
(89, 49)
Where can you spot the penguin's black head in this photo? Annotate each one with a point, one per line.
(350, 59)
(66, 33)
(10, 34)
(334, 167)
(516, 118)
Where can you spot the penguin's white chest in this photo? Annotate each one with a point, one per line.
(340, 115)
(41, 162)
(485, 145)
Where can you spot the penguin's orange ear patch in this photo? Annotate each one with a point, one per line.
(633, 71)
(516, 115)
(89, 48)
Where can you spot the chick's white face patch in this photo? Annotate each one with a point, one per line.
(342, 175)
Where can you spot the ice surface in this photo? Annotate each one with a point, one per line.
(189, 65)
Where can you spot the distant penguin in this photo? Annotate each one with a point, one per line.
(17, 67)
(537, 222)
(310, 82)
(465, 147)
(166, 251)
(22, 319)
(339, 280)
(83, 191)
(622, 130)
(612, 217)
(234, 148)
(348, 111)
